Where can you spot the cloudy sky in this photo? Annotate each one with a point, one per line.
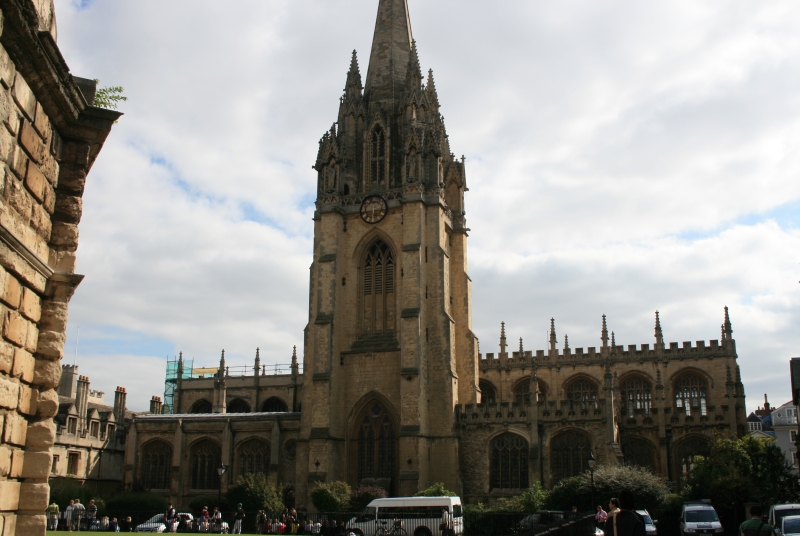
(622, 157)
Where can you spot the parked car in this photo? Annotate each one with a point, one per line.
(790, 525)
(699, 517)
(539, 521)
(649, 524)
(156, 523)
(778, 511)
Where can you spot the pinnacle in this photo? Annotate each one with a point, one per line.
(353, 84)
(431, 89)
(414, 74)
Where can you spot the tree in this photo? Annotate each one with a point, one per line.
(435, 490)
(255, 492)
(361, 497)
(331, 496)
(123, 504)
(108, 97)
(649, 489)
(529, 501)
(739, 471)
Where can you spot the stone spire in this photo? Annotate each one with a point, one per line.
(604, 333)
(613, 342)
(727, 326)
(414, 71)
(391, 48)
(295, 366)
(659, 334)
(257, 365)
(222, 364)
(553, 340)
(353, 86)
(722, 334)
(521, 352)
(430, 88)
(502, 337)
(566, 343)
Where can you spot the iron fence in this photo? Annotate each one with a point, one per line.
(344, 523)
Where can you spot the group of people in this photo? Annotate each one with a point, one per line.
(289, 523)
(621, 518)
(73, 516)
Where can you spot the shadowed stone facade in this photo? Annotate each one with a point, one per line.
(50, 135)
(394, 391)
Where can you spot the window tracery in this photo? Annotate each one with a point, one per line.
(274, 405)
(254, 457)
(378, 299)
(508, 465)
(488, 392)
(205, 457)
(569, 452)
(156, 465)
(201, 406)
(690, 394)
(635, 392)
(376, 444)
(237, 406)
(378, 157)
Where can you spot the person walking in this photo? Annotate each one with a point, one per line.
(217, 520)
(624, 521)
(52, 516)
(169, 518)
(446, 525)
(238, 516)
(601, 516)
(91, 515)
(68, 515)
(78, 511)
(755, 526)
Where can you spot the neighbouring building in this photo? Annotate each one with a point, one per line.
(90, 435)
(50, 136)
(394, 390)
(784, 423)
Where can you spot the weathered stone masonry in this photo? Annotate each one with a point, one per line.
(49, 138)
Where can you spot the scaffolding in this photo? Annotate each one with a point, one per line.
(171, 381)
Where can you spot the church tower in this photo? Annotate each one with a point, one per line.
(389, 349)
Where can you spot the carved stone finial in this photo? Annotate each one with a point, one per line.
(553, 340)
(727, 326)
(521, 352)
(566, 343)
(502, 337)
(604, 333)
(659, 334)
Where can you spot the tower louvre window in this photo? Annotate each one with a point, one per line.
(378, 157)
(378, 307)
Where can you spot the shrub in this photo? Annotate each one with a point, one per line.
(436, 490)
(123, 504)
(668, 514)
(361, 497)
(255, 493)
(196, 505)
(331, 497)
(528, 501)
(649, 489)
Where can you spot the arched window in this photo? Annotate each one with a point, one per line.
(156, 465)
(201, 406)
(205, 457)
(638, 451)
(378, 309)
(254, 457)
(686, 452)
(690, 394)
(522, 391)
(274, 405)
(582, 391)
(508, 465)
(378, 157)
(488, 392)
(237, 406)
(376, 444)
(635, 394)
(569, 452)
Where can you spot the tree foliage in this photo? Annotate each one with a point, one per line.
(739, 471)
(529, 501)
(108, 97)
(255, 492)
(123, 504)
(331, 496)
(649, 489)
(63, 491)
(363, 495)
(436, 490)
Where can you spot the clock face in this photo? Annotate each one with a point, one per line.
(373, 209)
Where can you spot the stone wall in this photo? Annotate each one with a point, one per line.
(49, 138)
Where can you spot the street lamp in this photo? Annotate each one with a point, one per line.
(592, 462)
(220, 471)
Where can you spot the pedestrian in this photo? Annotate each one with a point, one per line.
(68, 515)
(52, 515)
(217, 519)
(169, 518)
(601, 515)
(261, 520)
(573, 515)
(238, 516)
(78, 511)
(446, 525)
(204, 519)
(113, 525)
(91, 515)
(309, 527)
(755, 526)
(624, 521)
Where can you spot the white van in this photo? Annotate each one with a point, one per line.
(407, 516)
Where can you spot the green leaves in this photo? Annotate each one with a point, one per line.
(331, 497)
(436, 490)
(255, 492)
(108, 97)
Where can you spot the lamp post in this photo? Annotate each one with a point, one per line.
(220, 471)
(592, 462)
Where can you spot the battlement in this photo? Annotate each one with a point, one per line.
(72, 369)
(549, 410)
(97, 397)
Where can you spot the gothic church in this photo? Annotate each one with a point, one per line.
(393, 390)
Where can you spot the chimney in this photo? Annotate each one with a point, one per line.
(120, 396)
(82, 401)
(156, 406)
(69, 379)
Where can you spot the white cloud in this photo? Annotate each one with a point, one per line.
(621, 158)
